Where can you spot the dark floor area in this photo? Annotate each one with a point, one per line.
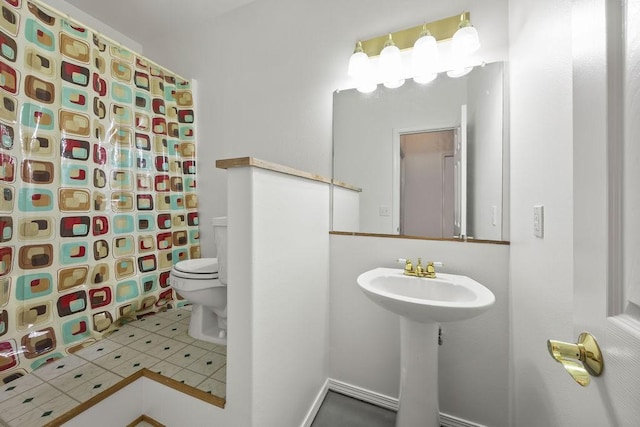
(338, 410)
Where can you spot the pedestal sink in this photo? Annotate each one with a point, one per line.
(422, 304)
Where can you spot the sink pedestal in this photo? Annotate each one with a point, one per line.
(419, 375)
(422, 305)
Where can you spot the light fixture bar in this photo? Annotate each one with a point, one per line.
(442, 29)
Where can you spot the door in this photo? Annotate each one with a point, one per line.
(607, 204)
(424, 183)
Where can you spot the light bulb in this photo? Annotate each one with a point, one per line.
(425, 78)
(361, 70)
(391, 65)
(459, 72)
(424, 56)
(466, 40)
(393, 84)
(367, 87)
(359, 62)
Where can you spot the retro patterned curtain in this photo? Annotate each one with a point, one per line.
(97, 185)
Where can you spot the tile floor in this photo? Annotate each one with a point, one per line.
(159, 343)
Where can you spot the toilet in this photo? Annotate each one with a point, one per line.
(204, 283)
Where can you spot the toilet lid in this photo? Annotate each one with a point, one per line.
(198, 266)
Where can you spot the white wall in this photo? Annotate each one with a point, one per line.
(278, 296)
(485, 111)
(95, 24)
(365, 338)
(346, 209)
(541, 174)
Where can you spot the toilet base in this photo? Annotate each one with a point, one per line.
(204, 326)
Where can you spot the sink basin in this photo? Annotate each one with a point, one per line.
(447, 298)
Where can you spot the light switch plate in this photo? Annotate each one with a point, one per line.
(538, 221)
(384, 210)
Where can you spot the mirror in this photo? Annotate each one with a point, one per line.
(402, 154)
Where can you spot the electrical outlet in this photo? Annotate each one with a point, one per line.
(538, 221)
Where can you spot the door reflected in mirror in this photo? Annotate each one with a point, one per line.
(427, 202)
(430, 160)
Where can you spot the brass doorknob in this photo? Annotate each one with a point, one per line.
(580, 360)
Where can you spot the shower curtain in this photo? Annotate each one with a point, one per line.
(97, 185)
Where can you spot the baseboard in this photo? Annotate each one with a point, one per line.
(374, 398)
(447, 420)
(315, 407)
(363, 394)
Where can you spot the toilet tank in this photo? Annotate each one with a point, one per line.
(220, 239)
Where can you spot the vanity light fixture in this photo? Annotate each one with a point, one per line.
(414, 53)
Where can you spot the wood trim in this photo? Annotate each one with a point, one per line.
(168, 382)
(186, 389)
(242, 162)
(398, 236)
(147, 419)
(346, 186)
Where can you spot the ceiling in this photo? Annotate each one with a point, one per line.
(126, 16)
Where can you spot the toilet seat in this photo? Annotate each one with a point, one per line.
(196, 269)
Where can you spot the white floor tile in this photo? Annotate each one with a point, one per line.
(186, 355)
(221, 374)
(131, 366)
(98, 349)
(127, 334)
(209, 346)
(208, 364)
(173, 329)
(165, 368)
(93, 387)
(188, 377)
(214, 387)
(147, 343)
(19, 386)
(166, 348)
(184, 337)
(59, 367)
(15, 407)
(77, 377)
(40, 395)
(116, 357)
(177, 314)
(45, 413)
(222, 349)
(152, 323)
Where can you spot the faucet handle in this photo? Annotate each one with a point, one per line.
(430, 270)
(408, 265)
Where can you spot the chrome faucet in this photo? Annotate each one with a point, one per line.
(428, 271)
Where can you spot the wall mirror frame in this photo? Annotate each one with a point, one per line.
(389, 180)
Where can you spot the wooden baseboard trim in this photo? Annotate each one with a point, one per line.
(167, 382)
(147, 419)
